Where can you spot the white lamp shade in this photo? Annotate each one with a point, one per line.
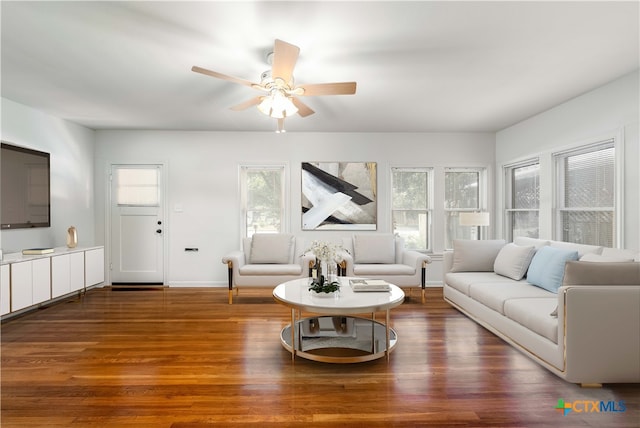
(474, 219)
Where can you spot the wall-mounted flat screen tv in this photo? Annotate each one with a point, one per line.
(25, 192)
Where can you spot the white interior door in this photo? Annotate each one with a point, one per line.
(137, 226)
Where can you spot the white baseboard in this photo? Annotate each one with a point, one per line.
(202, 284)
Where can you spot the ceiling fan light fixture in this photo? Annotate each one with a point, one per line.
(279, 94)
(277, 105)
(280, 126)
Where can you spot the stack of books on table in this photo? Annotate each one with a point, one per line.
(36, 251)
(369, 285)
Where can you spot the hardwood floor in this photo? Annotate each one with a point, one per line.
(184, 358)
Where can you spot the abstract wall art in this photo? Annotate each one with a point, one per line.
(339, 196)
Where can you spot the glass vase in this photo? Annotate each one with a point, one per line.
(331, 271)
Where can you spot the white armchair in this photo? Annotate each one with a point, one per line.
(267, 259)
(383, 256)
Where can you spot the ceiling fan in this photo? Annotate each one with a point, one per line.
(278, 85)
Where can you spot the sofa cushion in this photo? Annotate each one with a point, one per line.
(374, 248)
(525, 241)
(513, 261)
(399, 250)
(582, 249)
(462, 281)
(246, 249)
(270, 269)
(272, 248)
(547, 267)
(590, 257)
(494, 295)
(621, 253)
(377, 269)
(475, 256)
(533, 313)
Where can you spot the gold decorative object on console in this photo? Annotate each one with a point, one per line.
(72, 237)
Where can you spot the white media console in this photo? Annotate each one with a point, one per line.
(29, 281)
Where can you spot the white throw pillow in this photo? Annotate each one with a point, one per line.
(513, 261)
(374, 248)
(475, 256)
(271, 248)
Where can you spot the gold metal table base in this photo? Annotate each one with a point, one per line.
(338, 339)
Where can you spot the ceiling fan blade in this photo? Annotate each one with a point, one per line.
(341, 88)
(303, 109)
(285, 56)
(245, 105)
(223, 76)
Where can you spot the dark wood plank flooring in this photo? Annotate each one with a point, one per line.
(184, 358)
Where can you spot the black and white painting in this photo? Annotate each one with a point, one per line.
(339, 196)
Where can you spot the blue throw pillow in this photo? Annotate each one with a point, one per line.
(547, 267)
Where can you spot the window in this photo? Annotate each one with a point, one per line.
(411, 206)
(522, 198)
(464, 192)
(137, 186)
(586, 195)
(262, 195)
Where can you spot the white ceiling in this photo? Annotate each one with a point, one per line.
(420, 66)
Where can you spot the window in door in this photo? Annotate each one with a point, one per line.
(522, 199)
(412, 206)
(586, 195)
(465, 191)
(137, 186)
(262, 198)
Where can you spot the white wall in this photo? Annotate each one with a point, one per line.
(611, 110)
(203, 181)
(202, 171)
(72, 150)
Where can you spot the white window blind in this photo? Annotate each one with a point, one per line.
(412, 206)
(137, 186)
(586, 195)
(465, 190)
(522, 199)
(262, 196)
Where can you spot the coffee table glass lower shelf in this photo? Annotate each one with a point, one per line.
(338, 339)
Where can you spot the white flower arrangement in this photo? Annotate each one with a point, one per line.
(325, 251)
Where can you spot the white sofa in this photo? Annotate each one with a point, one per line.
(586, 331)
(267, 259)
(383, 256)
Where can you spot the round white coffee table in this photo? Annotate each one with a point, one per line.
(336, 335)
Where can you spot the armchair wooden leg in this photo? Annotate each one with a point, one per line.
(312, 264)
(423, 282)
(342, 268)
(230, 271)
